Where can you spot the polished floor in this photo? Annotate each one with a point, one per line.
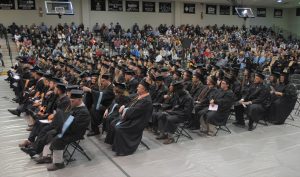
(269, 151)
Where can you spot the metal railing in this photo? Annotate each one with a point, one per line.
(8, 47)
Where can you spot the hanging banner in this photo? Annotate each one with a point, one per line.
(132, 6)
(148, 6)
(278, 13)
(26, 4)
(115, 5)
(189, 8)
(98, 5)
(7, 4)
(211, 9)
(224, 10)
(261, 12)
(165, 7)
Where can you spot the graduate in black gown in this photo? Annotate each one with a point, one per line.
(254, 103)
(284, 97)
(112, 115)
(101, 100)
(223, 99)
(134, 118)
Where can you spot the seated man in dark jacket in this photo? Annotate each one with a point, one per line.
(254, 103)
(223, 100)
(73, 129)
(180, 112)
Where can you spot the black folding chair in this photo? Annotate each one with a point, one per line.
(182, 131)
(223, 126)
(68, 154)
(144, 144)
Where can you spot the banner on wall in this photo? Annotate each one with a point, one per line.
(115, 5)
(211, 9)
(26, 4)
(7, 4)
(132, 6)
(98, 5)
(189, 8)
(224, 10)
(165, 7)
(148, 6)
(261, 12)
(278, 13)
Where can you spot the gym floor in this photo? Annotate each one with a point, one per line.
(268, 151)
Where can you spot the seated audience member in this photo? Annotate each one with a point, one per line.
(134, 118)
(284, 97)
(102, 98)
(73, 129)
(111, 115)
(222, 101)
(167, 122)
(255, 102)
(202, 102)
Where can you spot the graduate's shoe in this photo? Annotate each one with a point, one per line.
(169, 141)
(93, 133)
(42, 160)
(14, 112)
(238, 124)
(55, 166)
(29, 129)
(251, 127)
(25, 143)
(30, 151)
(162, 137)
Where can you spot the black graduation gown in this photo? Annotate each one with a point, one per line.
(181, 112)
(97, 114)
(76, 130)
(129, 132)
(281, 107)
(224, 100)
(187, 85)
(260, 97)
(113, 117)
(195, 90)
(158, 95)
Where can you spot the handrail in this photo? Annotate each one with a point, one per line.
(8, 47)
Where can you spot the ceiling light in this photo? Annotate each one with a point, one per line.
(279, 1)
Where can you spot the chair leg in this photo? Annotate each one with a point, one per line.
(71, 155)
(81, 150)
(297, 109)
(144, 144)
(178, 133)
(186, 134)
(226, 129)
(292, 118)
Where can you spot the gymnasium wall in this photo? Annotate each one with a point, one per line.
(83, 14)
